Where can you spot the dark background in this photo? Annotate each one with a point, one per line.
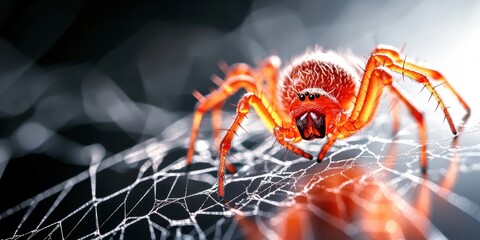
(62, 61)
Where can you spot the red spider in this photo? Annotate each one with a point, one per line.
(320, 93)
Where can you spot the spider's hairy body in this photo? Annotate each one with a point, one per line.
(318, 94)
(332, 75)
(327, 71)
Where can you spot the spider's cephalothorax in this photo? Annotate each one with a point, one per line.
(317, 89)
(319, 94)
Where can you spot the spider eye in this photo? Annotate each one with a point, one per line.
(311, 125)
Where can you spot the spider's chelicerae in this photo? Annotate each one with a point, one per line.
(319, 94)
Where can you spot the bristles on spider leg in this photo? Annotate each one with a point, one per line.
(242, 127)
(440, 84)
(223, 66)
(424, 86)
(431, 95)
(217, 80)
(361, 68)
(198, 96)
(438, 104)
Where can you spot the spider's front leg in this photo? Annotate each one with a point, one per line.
(237, 77)
(374, 80)
(215, 101)
(243, 108)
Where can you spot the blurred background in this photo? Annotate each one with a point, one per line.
(82, 73)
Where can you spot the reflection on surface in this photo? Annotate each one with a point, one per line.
(350, 202)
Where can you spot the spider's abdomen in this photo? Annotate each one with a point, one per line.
(333, 73)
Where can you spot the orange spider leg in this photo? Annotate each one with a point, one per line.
(331, 140)
(371, 88)
(435, 75)
(362, 91)
(269, 72)
(216, 127)
(379, 78)
(386, 61)
(217, 123)
(418, 117)
(381, 73)
(365, 105)
(238, 76)
(420, 78)
(395, 110)
(228, 88)
(267, 117)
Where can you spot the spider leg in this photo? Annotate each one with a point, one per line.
(421, 78)
(267, 117)
(378, 78)
(327, 147)
(371, 88)
(364, 108)
(214, 100)
(269, 69)
(383, 74)
(394, 55)
(216, 127)
(237, 77)
(217, 123)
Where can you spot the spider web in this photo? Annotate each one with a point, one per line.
(369, 186)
